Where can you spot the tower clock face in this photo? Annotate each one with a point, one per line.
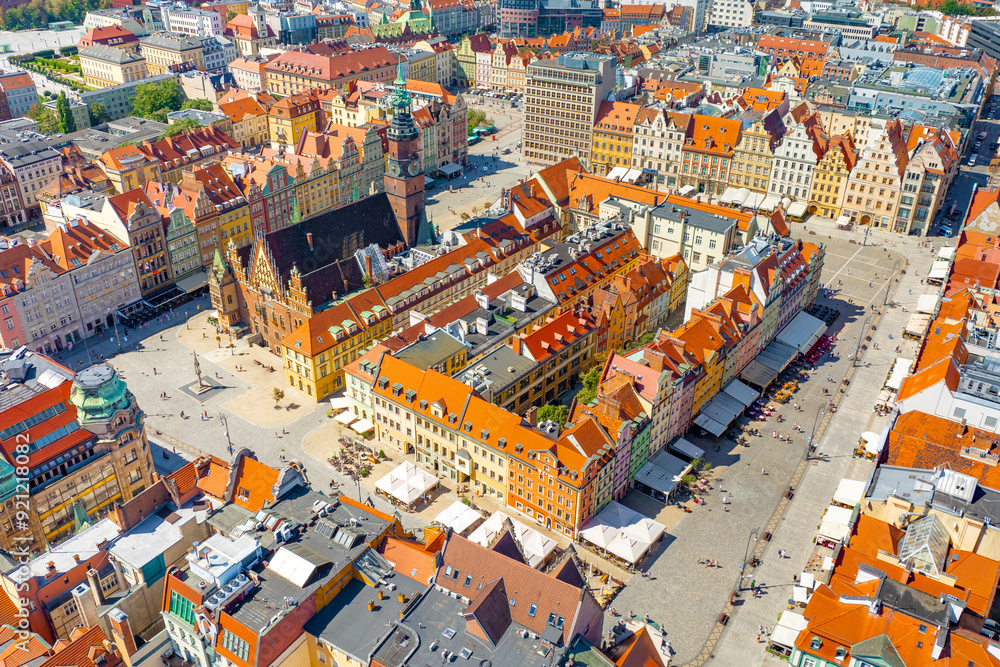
(414, 169)
(393, 168)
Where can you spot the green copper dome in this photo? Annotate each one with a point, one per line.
(98, 393)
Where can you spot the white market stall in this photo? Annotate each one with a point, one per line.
(535, 546)
(849, 492)
(340, 403)
(900, 369)
(622, 532)
(928, 303)
(362, 426)
(786, 631)
(802, 332)
(459, 517)
(836, 525)
(346, 418)
(406, 483)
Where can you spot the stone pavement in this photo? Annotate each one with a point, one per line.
(798, 525)
(687, 598)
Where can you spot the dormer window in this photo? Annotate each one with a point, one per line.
(815, 643)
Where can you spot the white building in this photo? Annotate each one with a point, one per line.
(796, 157)
(730, 14)
(103, 18)
(195, 22)
(34, 165)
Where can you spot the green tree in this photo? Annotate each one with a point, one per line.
(48, 121)
(98, 114)
(180, 127)
(557, 413)
(591, 384)
(154, 101)
(67, 123)
(231, 15)
(478, 118)
(200, 104)
(277, 395)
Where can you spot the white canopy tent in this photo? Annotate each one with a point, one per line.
(900, 369)
(797, 209)
(406, 483)
(770, 203)
(624, 174)
(753, 200)
(939, 270)
(836, 524)
(927, 303)
(362, 426)
(734, 195)
(623, 532)
(340, 403)
(873, 442)
(535, 546)
(346, 418)
(787, 630)
(947, 252)
(849, 492)
(916, 327)
(459, 517)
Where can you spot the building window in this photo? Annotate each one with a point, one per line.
(238, 647)
(959, 413)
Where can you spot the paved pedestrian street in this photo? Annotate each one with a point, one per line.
(686, 598)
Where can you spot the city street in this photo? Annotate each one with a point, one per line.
(686, 598)
(489, 171)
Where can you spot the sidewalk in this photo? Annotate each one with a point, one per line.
(834, 460)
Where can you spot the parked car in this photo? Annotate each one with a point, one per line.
(972, 159)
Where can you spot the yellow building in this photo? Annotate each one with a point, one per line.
(348, 109)
(830, 178)
(317, 183)
(165, 49)
(612, 143)
(422, 65)
(234, 211)
(316, 352)
(128, 168)
(249, 120)
(106, 66)
(289, 118)
(753, 154)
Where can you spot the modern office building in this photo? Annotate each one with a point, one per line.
(561, 101)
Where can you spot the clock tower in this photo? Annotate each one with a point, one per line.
(404, 179)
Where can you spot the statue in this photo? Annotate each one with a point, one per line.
(197, 372)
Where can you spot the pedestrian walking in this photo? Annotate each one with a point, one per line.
(763, 471)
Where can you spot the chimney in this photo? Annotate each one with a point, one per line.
(50, 569)
(121, 630)
(369, 268)
(309, 240)
(95, 586)
(531, 191)
(532, 416)
(76, 558)
(516, 344)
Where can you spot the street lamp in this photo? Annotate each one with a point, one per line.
(812, 437)
(754, 534)
(225, 430)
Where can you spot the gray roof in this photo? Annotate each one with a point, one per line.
(694, 218)
(347, 623)
(432, 350)
(173, 41)
(110, 54)
(297, 506)
(919, 487)
(435, 619)
(504, 368)
(28, 373)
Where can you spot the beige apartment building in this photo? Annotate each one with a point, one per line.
(874, 186)
(164, 50)
(106, 66)
(657, 142)
(754, 153)
(561, 101)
